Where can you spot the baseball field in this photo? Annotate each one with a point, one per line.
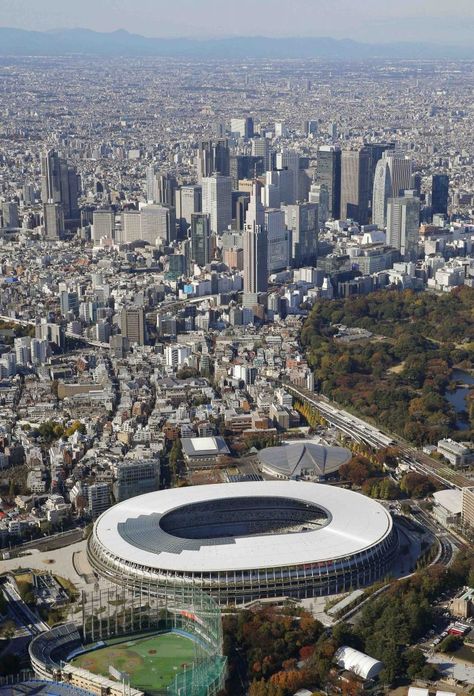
(151, 662)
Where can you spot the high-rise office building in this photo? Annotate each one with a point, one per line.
(103, 225)
(255, 249)
(51, 177)
(188, 201)
(290, 159)
(311, 127)
(10, 219)
(302, 222)
(439, 194)
(217, 201)
(375, 151)
(157, 224)
(261, 148)
(201, 238)
(29, 193)
(213, 158)
(53, 218)
(242, 127)
(245, 167)
(403, 223)
(355, 185)
(131, 226)
(160, 187)
(328, 172)
(68, 301)
(277, 240)
(279, 187)
(132, 324)
(319, 195)
(392, 176)
(59, 184)
(240, 204)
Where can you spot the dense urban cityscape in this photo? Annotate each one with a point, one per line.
(236, 376)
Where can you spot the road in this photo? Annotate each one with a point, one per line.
(21, 612)
(449, 545)
(363, 432)
(47, 543)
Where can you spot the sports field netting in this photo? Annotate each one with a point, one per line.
(152, 663)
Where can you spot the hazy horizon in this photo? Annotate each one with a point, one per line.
(369, 21)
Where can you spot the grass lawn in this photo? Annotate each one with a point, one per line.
(151, 662)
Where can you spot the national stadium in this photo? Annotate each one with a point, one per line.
(240, 542)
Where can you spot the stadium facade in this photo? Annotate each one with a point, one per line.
(245, 541)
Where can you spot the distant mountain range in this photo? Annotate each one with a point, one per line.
(19, 42)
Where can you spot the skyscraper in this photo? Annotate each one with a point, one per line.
(10, 218)
(131, 226)
(328, 172)
(157, 224)
(255, 249)
(242, 127)
(132, 324)
(375, 151)
(277, 240)
(302, 221)
(318, 194)
(201, 238)
(50, 177)
(59, 184)
(213, 158)
(290, 159)
(392, 176)
(355, 185)
(188, 201)
(261, 148)
(53, 218)
(403, 222)
(217, 201)
(103, 224)
(439, 194)
(160, 187)
(245, 167)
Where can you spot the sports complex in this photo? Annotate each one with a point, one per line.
(122, 641)
(244, 541)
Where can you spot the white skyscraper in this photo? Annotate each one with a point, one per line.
(392, 176)
(217, 201)
(255, 249)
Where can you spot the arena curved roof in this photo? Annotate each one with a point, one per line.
(304, 458)
(133, 529)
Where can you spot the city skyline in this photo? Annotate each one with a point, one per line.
(368, 22)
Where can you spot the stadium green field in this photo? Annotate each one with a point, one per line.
(152, 662)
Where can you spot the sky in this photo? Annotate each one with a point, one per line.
(375, 21)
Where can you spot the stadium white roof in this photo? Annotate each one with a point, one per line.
(355, 523)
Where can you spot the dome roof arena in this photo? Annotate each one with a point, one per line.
(242, 541)
(303, 459)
